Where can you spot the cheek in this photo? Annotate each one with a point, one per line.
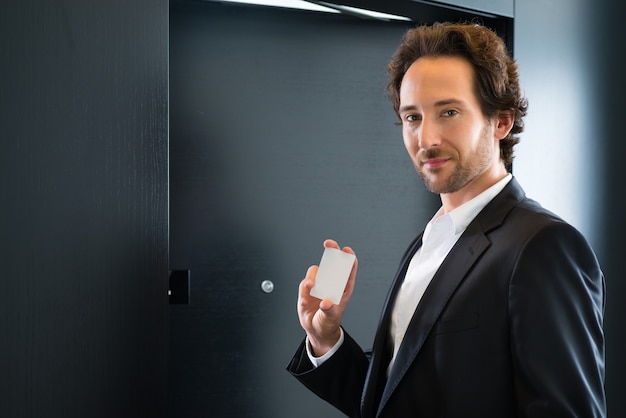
(410, 141)
(467, 137)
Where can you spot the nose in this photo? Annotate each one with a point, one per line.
(424, 135)
(428, 134)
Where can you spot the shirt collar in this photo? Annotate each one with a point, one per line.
(464, 214)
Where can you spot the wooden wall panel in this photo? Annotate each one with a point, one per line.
(83, 195)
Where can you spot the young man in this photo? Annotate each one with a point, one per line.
(497, 307)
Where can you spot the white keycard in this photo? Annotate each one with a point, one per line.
(332, 275)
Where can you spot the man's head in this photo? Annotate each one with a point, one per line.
(496, 80)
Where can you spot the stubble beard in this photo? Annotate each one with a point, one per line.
(462, 174)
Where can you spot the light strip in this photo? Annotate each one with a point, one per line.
(364, 12)
(320, 6)
(289, 4)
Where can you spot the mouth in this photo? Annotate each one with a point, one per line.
(434, 163)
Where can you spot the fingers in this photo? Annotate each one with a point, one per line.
(348, 250)
(309, 278)
(329, 243)
(304, 290)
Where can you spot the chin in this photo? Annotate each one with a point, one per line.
(433, 182)
(433, 186)
(443, 186)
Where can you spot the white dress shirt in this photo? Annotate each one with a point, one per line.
(440, 235)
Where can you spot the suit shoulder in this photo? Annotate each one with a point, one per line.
(532, 213)
(538, 224)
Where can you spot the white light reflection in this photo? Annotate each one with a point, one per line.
(289, 4)
(365, 12)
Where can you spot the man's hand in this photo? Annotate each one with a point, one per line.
(321, 319)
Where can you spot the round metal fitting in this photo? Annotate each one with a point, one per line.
(267, 286)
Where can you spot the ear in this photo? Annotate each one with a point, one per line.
(504, 123)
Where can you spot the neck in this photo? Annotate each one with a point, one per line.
(451, 201)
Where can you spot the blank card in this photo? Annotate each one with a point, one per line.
(332, 275)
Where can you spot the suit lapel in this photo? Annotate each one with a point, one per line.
(465, 253)
(382, 348)
(470, 246)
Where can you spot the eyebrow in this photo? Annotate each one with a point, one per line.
(447, 102)
(407, 108)
(438, 103)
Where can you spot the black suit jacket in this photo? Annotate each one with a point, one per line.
(510, 326)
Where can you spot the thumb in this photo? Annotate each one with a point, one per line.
(326, 305)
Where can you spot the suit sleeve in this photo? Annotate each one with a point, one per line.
(339, 380)
(556, 306)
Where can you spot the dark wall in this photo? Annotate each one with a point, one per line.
(83, 196)
(609, 140)
(281, 136)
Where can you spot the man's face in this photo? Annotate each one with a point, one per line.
(451, 143)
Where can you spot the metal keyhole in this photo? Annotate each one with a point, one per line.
(267, 286)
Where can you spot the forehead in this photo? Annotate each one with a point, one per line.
(431, 79)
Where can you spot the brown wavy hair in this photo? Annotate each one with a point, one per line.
(496, 74)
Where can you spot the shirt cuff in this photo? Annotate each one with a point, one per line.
(318, 361)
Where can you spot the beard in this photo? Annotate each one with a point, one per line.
(464, 171)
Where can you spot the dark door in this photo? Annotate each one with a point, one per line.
(281, 136)
(83, 204)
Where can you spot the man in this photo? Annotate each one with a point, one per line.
(497, 307)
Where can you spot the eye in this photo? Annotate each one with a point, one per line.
(412, 118)
(450, 112)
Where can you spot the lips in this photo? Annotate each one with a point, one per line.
(434, 163)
